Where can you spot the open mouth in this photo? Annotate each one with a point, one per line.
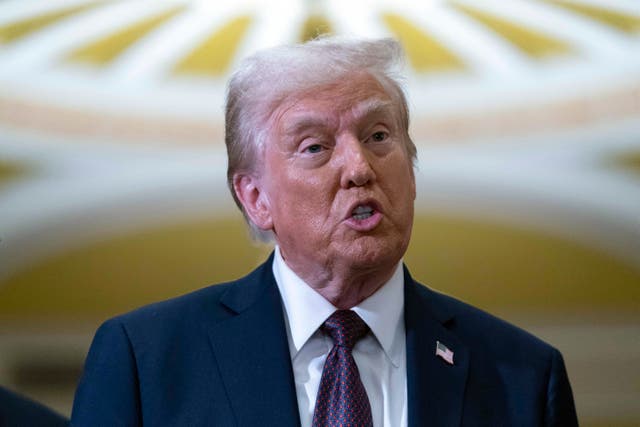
(362, 212)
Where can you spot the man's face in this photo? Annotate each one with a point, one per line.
(337, 180)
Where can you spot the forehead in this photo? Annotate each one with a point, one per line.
(355, 97)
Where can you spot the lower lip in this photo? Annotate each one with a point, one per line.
(366, 224)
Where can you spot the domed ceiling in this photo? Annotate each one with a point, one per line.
(526, 112)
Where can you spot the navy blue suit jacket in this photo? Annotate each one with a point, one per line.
(219, 357)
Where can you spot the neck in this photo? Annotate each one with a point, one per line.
(343, 285)
(345, 294)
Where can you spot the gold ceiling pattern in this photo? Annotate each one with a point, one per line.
(528, 41)
(423, 51)
(10, 171)
(629, 161)
(107, 49)
(15, 31)
(616, 20)
(213, 56)
(315, 25)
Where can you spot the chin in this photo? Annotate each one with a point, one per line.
(375, 254)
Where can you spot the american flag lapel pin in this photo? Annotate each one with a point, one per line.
(443, 352)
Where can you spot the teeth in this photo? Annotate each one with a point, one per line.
(362, 209)
(362, 212)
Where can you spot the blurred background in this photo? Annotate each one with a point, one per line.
(526, 114)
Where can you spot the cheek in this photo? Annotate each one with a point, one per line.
(399, 173)
(302, 198)
(310, 189)
(401, 190)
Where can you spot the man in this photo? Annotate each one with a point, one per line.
(331, 330)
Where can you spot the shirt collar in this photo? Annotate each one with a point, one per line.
(306, 310)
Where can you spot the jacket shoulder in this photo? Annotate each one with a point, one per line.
(485, 332)
(193, 310)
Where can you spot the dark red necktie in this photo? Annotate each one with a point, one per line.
(342, 400)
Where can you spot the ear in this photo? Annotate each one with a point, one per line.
(254, 200)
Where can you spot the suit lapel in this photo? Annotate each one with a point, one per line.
(257, 374)
(252, 353)
(435, 387)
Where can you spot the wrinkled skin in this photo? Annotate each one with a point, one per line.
(330, 151)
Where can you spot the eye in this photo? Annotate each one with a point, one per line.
(379, 136)
(314, 148)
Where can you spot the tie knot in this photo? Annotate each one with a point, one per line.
(345, 327)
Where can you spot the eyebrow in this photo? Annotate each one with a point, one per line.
(372, 107)
(305, 122)
(362, 110)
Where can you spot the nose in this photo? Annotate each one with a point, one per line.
(356, 165)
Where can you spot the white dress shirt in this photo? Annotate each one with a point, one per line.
(380, 355)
